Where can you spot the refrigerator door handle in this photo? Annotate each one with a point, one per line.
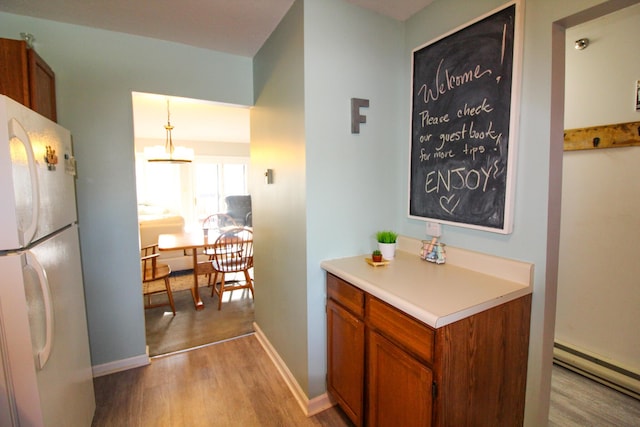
(17, 131)
(45, 352)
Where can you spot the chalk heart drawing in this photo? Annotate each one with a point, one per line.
(449, 204)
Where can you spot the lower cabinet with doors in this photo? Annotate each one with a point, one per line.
(346, 347)
(386, 368)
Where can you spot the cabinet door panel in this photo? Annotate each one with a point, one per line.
(14, 80)
(345, 360)
(399, 386)
(42, 86)
(26, 78)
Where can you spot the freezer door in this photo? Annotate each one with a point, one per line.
(37, 172)
(53, 307)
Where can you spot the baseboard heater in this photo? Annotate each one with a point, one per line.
(590, 366)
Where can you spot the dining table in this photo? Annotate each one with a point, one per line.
(196, 242)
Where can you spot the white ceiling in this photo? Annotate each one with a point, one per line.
(193, 120)
(238, 27)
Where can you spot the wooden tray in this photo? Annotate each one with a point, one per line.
(377, 264)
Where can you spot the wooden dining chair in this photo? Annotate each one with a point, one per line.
(212, 226)
(218, 221)
(152, 273)
(232, 253)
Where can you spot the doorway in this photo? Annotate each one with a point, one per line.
(593, 308)
(175, 197)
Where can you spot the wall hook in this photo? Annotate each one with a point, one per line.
(581, 44)
(29, 38)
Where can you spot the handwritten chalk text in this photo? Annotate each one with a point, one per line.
(427, 120)
(459, 178)
(450, 82)
(474, 111)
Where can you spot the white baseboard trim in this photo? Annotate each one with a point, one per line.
(310, 407)
(121, 365)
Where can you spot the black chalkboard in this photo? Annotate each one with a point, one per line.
(461, 123)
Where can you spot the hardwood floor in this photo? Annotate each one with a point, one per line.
(192, 328)
(579, 401)
(232, 383)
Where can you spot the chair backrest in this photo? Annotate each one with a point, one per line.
(148, 261)
(218, 221)
(233, 250)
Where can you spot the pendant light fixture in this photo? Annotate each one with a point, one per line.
(169, 153)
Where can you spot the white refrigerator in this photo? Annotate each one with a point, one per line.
(45, 367)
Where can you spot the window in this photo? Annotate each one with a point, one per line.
(217, 178)
(194, 190)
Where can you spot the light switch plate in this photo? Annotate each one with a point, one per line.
(434, 229)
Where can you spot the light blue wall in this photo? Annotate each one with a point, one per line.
(353, 183)
(95, 74)
(536, 221)
(528, 242)
(332, 189)
(279, 212)
(350, 52)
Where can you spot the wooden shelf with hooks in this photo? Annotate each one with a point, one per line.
(606, 136)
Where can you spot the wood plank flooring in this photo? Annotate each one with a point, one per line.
(192, 328)
(232, 383)
(580, 401)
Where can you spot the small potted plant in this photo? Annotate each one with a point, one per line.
(387, 243)
(376, 256)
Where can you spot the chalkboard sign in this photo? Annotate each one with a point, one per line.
(463, 122)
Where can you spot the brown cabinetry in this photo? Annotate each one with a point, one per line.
(26, 77)
(468, 373)
(345, 350)
(399, 387)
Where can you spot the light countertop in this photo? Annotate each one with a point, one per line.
(467, 284)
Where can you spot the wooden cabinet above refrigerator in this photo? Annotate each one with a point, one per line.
(27, 78)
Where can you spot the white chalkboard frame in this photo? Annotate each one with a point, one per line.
(506, 226)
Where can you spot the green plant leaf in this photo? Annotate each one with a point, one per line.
(386, 236)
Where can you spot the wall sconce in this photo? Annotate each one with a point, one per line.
(268, 176)
(581, 44)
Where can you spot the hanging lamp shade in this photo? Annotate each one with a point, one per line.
(169, 153)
